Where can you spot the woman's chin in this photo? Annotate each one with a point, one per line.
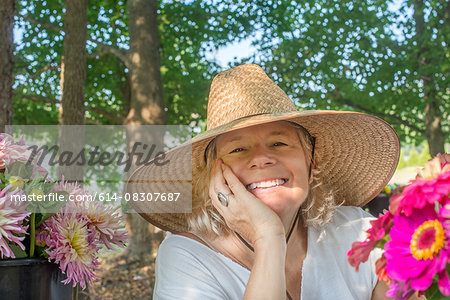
(279, 199)
(274, 201)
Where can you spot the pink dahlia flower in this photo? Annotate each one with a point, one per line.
(106, 220)
(422, 192)
(72, 188)
(12, 216)
(418, 250)
(11, 151)
(72, 246)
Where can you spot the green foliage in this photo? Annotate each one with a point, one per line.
(414, 157)
(326, 54)
(359, 55)
(188, 31)
(401, 161)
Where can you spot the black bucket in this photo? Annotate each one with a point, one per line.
(32, 279)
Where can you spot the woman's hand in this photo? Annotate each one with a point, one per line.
(245, 213)
(259, 225)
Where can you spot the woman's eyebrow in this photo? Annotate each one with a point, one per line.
(235, 138)
(272, 133)
(283, 133)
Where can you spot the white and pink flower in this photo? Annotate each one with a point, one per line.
(12, 216)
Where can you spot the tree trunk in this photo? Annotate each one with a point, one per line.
(147, 101)
(435, 135)
(74, 53)
(73, 78)
(7, 11)
(433, 128)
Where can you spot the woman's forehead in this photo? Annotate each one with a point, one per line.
(279, 128)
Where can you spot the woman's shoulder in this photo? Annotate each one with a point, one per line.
(176, 246)
(186, 264)
(177, 241)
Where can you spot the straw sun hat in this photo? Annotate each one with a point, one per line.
(359, 152)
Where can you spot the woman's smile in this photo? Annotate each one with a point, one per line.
(266, 184)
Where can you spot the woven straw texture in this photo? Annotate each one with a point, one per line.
(359, 152)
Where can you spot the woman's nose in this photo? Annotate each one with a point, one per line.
(261, 157)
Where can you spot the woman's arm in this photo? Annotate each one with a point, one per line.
(267, 279)
(258, 224)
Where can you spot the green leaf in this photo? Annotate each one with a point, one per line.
(433, 293)
(20, 169)
(18, 252)
(44, 217)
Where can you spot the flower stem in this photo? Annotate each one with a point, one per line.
(32, 233)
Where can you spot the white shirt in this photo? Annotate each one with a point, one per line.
(187, 269)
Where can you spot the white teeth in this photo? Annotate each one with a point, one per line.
(266, 184)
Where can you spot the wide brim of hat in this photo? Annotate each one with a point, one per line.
(358, 155)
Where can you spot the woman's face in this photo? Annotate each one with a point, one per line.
(270, 161)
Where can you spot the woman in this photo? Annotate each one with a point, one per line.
(268, 183)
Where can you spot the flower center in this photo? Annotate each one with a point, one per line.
(427, 240)
(79, 242)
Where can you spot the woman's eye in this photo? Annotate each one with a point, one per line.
(237, 150)
(279, 144)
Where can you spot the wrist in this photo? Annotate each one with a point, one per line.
(270, 241)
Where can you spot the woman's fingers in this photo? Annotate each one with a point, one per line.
(233, 182)
(218, 184)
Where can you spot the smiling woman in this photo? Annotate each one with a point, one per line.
(275, 196)
(296, 149)
(270, 161)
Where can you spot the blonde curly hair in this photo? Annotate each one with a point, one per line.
(316, 211)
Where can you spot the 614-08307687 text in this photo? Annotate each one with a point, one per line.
(138, 197)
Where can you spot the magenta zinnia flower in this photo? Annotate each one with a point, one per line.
(72, 246)
(399, 290)
(418, 250)
(12, 216)
(423, 192)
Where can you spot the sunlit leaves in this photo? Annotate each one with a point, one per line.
(188, 31)
(357, 55)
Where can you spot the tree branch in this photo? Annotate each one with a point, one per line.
(395, 118)
(35, 98)
(108, 115)
(120, 53)
(39, 22)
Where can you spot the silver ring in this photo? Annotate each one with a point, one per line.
(223, 199)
